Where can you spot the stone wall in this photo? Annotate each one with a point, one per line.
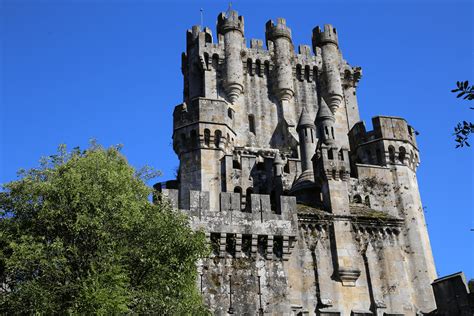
(305, 211)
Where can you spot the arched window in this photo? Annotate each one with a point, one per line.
(357, 199)
(249, 67)
(367, 201)
(258, 71)
(340, 155)
(401, 154)
(299, 72)
(217, 138)
(306, 73)
(239, 191)
(251, 123)
(229, 113)
(266, 65)
(207, 137)
(334, 174)
(391, 153)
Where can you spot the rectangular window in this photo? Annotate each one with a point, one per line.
(230, 245)
(252, 123)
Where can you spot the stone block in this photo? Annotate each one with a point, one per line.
(171, 196)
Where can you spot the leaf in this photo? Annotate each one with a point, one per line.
(466, 83)
(460, 94)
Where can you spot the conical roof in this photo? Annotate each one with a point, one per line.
(324, 113)
(305, 120)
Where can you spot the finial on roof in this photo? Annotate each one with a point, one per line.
(230, 13)
(202, 13)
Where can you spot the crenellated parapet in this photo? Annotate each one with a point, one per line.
(391, 142)
(203, 124)
(260, 220)
(332, 163)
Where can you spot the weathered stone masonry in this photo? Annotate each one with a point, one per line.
(305, 210)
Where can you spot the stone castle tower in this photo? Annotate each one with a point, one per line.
(305, 210)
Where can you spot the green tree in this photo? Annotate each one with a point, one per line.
(464, 129)
(78, 235)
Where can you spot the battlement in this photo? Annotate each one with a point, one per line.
(385, 127)
(196, 35)
(274, 31)
(260, 207)
(230, 21)
(392, 141)
(271, 231)
(333, 162)
(322, 37)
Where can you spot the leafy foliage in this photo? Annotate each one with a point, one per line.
(465, 90)
(78, 235)
(464, 129)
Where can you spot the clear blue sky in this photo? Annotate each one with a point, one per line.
(110, 70)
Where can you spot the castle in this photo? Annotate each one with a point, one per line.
(306, 211)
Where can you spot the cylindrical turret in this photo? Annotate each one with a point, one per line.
(231, 26)
(280, 35)
(328, 42)
(306, 131)
(325, 120)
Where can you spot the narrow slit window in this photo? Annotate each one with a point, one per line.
(252, 123)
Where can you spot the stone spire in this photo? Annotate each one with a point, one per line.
(305, 120)
(326, 120)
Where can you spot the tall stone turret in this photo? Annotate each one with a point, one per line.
(279, 35)
(311, 217)
(231, 26)
(307, 134)
(328, 42)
